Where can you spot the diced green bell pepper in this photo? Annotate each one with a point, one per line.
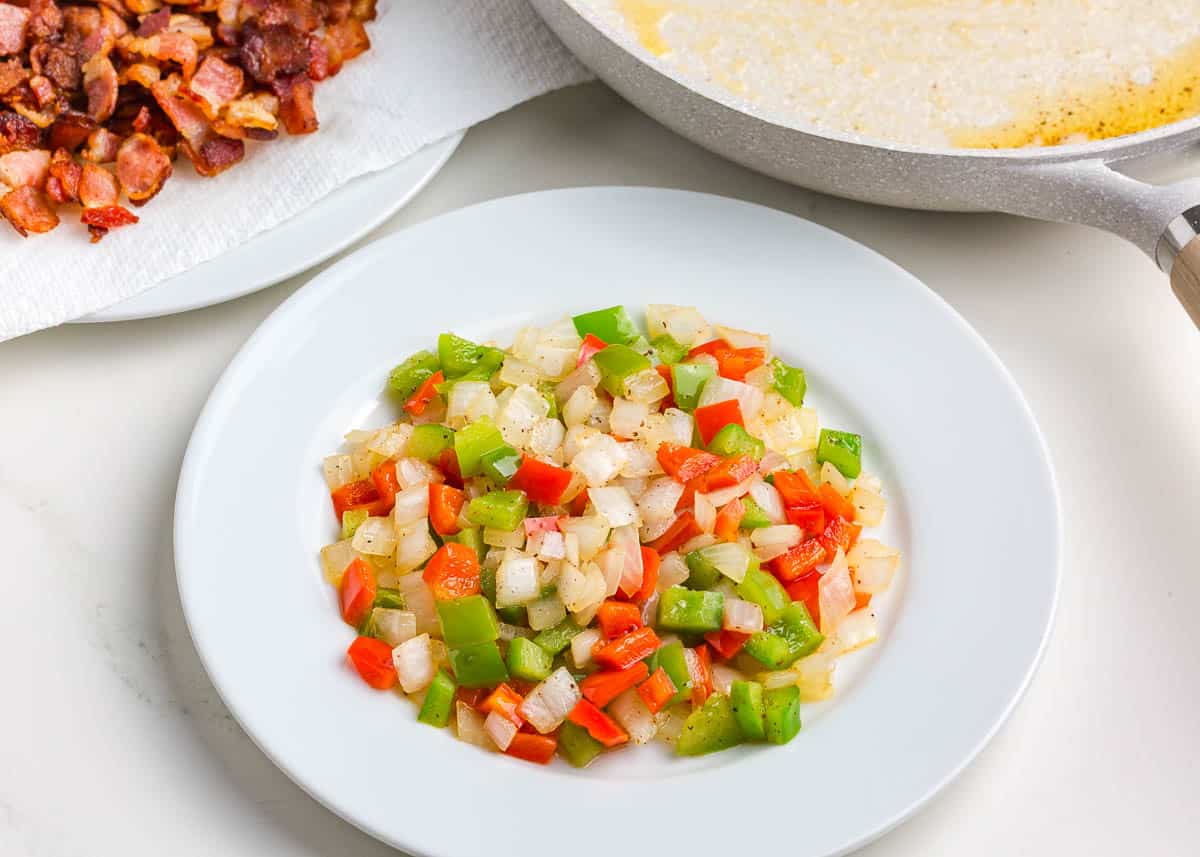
(352, 519)
(783, 713)
(479, 665)
(500, 464)
(392, 599)
(763, 589)
(547, 391)
(475, 441)
(513, 614)
(500, 510)
(467, 621)
(472, 537)
(412, 373)
(576, 745)
(617, 363)
(753, 516)
(686, 610)
(439, 701)
(843, 450)
(789, 382)
(427, 441)
(732, 439)
(710, 728)
(668, 350)
(674, 663)
(459, 356)
(785, 641)
(555, 639)
(612, 325)
(528, 661)
(688, 380)
(748, 708)
(702, 574)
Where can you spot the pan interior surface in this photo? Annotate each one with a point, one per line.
(950, 76)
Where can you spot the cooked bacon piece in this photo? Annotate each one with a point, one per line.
(27, 167)
(102, 146)
(140, 122)
(141, 73)
(187, 118)
(271, 52)
(350, 38)
(103, 218)
(213, 154)
(337, 10)
(215, 84)
(43, 91)
(63, 184)
(300, 14)
(80, 26)
(17, 132)
(45, 21)
(28, 211)
(142, 167)
(14, 21)
(254, 111)
(167, 46)
(12, 75)
(145, 7)
(296, 104)
(154, 23)
(363, 10)
(192, 27)
(100, 83)
(97, 187)
(70, 130)
(57, 63)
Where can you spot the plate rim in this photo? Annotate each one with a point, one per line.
(205, 424)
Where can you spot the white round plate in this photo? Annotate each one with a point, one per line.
(972, 500)
(327, 227)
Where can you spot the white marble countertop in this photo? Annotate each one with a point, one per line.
(112, 740)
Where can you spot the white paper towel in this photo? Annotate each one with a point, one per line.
(435, 67)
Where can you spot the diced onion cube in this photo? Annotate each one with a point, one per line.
(835, 594)
(412, 504)
(614, 505)
(469, 724)
(517, 581)
(414, 545)
(672, 570)
(719, 389)
(723, 677)
(546, 436)
(590, 531)
(418, 599)
(394, 626)
(646, 386)
(548, 704)
(855, 631)
(780, 535)
(872, 565)
(413, 660)
(627, 416)
(500, 729)
(834, 477)
(732, 559)
(684, 324)
(745, 617)
(375, 536)
(462, 402)
(335, 558)
(599, 461)
(869, 505)
(705, 512)
(582, 645)
(338, 469)
(768, 499)
(516, 372)
(414, 471)
(629, 710)
(545, 612)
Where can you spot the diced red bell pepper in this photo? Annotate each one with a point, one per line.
(605, 686)
(472, 696)
(710, 347)
(861, 599)
(357, 591)
(617, 618)
(681, 530)
(808, 515)
(445, 505)
(578, 504)
(712, 418)
(591, 344)
(423, 395)
(504, 701)
(839, 533)
(729, 519)
(598, 724)
(628, 649)
(373, 660)
(726, 643)
(730, 472)
(358, 495)
(447, 462)
(387, 483)
(542, 483)
(798, 561)
(452, 572)
(836, 506)
(665, 371)
(736, 363)
(699, 664)
(683, 463)
(657, 690)
(533, 748)
(650, 563)
(805, 589)
(795, 487)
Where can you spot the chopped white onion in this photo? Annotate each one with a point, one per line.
(646, 387)
(855, 631)
(835, 594)
(394, 626)
(375, 536)
(554, 546)
(627, 416)
(414, 545)
(548, 704)
(778, 678)
(723, 678)
(517, 581)
(650, 609)
(571, 547)
(412, 504)
(640, 461)
(651, 530)
(869, 505)
(671, 426)
(461, 402)
(629, 710)
(626, 545)
(508, 633)
(553, 361)
(814, 675)
(516, 372)
(761, 377)
(599, 461)
(772, 461)
(696, 542)
(546, 436)
(684, 324)
(872, 565)
(724, 495)
(768, 499)
(744, 338)
(582, 645)
(585, 375)
(579, 407)
(335, 558)
(732, 559)
(670, 723)
(784, 536)
(660, 498)
(525, 340)
(718, 389)
(545, 612)
(611, 564)
(414, 471)
(418, 600)
(590, 531)
(338, 469)
(745, 617)
(613, 504)
(834, 477)
(500, 729)
(504, 538)
(672, 570)
(469, 724)
(705, 512)
(413, 660)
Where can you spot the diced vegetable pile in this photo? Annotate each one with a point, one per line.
(602, 536)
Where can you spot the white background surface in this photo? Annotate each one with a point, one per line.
(113, 741)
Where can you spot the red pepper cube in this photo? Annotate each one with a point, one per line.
(627, 650)
(712, 418)
(598, 724)
(373, 660)
(657, 691)
(605, 686)
(357, 591)
(533, 748)
(683, 463)
(617, 618)
(542, 483)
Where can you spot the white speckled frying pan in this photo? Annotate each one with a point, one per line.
(1071, 183)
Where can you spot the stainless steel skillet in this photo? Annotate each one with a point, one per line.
(1071, 183)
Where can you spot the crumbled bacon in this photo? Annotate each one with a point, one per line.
(71, 130)
(63, 184)
(154, 23)
(296, 104)
(215, 84)
(273, 51)
(100, 219)
(14, 21)
(26, 167)
(17, 132)
(12, 75)
(45, 21)
(97, 187)
(28, 211)
(142, 167)
(349, 37)
(100, 83)
(102, 146)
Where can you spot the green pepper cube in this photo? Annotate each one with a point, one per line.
(616, 364)
(748, 708)
(475, 441)
(427, 441)
(352, 519)
(472, 537)
(788, 382)
(391, 599)
(412, 373)
(702, 573)
(686, 610)
(732, 439)
(612, 325)
(843, 450)
(783, 713)
(710, 728)
(555, 639)
(528, 661)
(467, 621)
(687, 382)
(576, 745)
(753, 516)
(668, 350)
(513, 614)
(500, 464)
(479, 665)
(547, 390)
(793, 636)
(459, 356)
(439, 701)
(487, 583)
(499, 510)
(763, 589)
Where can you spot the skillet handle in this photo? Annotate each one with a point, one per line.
(1178, 253)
